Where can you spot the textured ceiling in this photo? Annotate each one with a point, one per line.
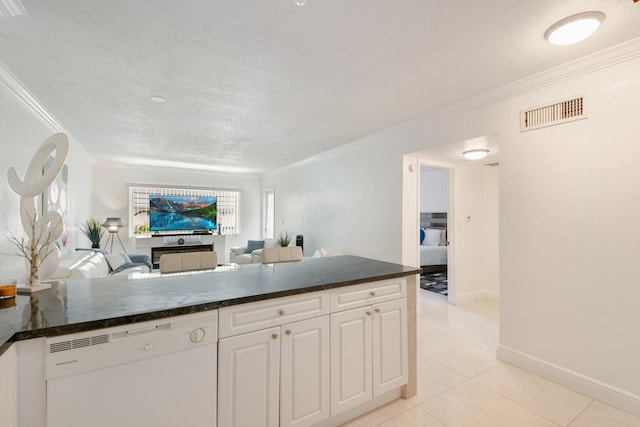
(254, 85)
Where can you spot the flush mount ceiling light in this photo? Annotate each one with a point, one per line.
(476, 153)
(574, 29)
(301, 2)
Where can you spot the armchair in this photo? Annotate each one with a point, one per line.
(239, 254)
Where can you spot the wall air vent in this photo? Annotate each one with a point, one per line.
(78, 343)
(553, 114)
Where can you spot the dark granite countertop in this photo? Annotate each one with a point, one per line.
(81, 305)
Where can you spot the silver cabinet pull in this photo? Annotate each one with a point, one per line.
(281, 312)
(368, 313)
(288, 331)
(372, 293)
(274, 336)
(377, 310)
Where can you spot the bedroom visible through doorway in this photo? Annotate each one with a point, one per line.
(433, 250)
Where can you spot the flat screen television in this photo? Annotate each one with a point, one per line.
(182, 213)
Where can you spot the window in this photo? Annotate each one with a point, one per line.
(228, 207)
(269, 214)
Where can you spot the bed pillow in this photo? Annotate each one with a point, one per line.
(443, 238)
(432, 237)
(422, 234)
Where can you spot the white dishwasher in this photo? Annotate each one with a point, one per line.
(158, 373)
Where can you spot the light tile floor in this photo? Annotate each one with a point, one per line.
(461, 383)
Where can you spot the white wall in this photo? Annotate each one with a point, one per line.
(434, 185)
(111, 199)
(22, 135)
(567, 217)
(490, 248)
(351, 202)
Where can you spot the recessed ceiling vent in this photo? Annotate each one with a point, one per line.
(554, 114)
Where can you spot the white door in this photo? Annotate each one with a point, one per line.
(304, 380)
(248, 386)
(390, 357)
(350, 359)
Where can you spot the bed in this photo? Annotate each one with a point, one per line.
(433, 249)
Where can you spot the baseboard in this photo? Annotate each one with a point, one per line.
(477, 295)
(606, 393)
(492, 295)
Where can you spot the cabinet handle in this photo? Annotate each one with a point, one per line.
(281, 312)
(288, 331)
(274, 336)
(372, 293)
(368, 313)
(377, 310)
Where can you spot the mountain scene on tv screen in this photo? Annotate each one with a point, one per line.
(167, 213)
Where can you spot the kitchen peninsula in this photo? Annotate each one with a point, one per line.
(315, 302)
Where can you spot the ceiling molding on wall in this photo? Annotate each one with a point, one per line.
(624, 52)
(11, 83)
(610, 57)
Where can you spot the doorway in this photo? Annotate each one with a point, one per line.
(472, 218)
(434, 210)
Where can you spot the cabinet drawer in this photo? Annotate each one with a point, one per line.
(253, 316)
(367, 293)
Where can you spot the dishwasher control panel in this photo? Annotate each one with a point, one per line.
(101, 348)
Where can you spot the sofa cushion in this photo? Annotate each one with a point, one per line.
(117, 260)
(252, 245)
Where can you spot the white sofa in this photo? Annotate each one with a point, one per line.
(239, 254)
(88, 264)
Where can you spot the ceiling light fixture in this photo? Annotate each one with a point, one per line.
(476, 153)
(574, 29)
(301, 2)
(158, 99)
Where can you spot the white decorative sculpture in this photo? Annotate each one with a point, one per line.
(42, 228)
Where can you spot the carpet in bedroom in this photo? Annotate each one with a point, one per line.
(435, 282)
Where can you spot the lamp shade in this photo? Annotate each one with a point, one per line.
(113, 225)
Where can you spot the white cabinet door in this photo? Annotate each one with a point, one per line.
(248, 379)
(9, 388)
(304, 379)
(350, 359)
(390, 358)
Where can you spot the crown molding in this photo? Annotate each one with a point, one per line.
(11, 83)
(619, 54)
(624, 52)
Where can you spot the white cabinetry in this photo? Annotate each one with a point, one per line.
(9, 388)
(390, 369)
(351, 359)
(248, 372)
(279, 375)
(299, 360)
(304, 379)
(368, 344)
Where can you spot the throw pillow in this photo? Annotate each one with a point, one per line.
(422, 234)
(116, 260)
(432, 237)
(252, 245)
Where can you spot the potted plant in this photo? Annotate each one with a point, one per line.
(93, 230)
(283, 239)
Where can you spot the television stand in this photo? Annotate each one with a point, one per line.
(173, 248)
